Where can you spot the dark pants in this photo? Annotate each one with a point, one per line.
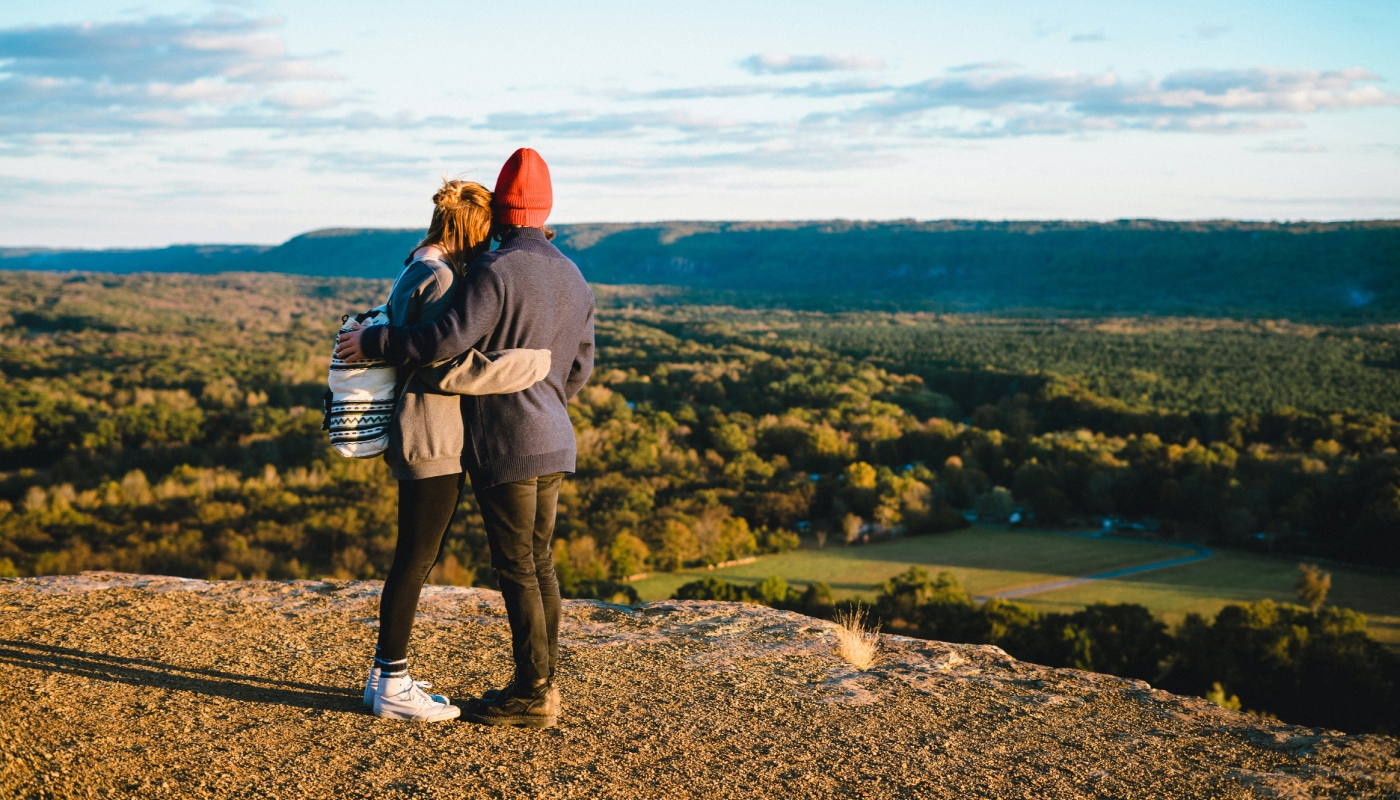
(519, 520)
(425, 510)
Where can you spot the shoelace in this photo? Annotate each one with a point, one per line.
(419, 684)
(419, 696)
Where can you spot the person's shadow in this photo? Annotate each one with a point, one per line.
(146, 672)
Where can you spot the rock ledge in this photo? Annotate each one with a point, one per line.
(164, 687)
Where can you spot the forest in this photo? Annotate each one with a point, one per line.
(171, 424)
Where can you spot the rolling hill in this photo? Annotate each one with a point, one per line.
(1342, 270)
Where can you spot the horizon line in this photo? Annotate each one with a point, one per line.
(19, 250)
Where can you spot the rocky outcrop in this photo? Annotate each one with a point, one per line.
(124, 685)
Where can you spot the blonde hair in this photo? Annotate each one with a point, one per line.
(461, 223)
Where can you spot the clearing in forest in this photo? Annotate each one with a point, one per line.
(990, 560)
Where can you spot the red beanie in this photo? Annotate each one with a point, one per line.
(523, 192)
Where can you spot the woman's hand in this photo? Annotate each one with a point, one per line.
(347, 345)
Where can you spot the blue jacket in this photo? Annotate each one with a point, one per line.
(523, 294)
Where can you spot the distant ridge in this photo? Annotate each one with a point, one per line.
(339, 252)
(196, 258)
(1332, 269)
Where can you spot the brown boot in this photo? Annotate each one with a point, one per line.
(537, 709)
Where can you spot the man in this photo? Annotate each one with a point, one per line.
(518, 446)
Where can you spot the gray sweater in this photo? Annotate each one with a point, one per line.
(425, 439)
(524, 294)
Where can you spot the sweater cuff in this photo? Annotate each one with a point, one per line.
(375, 342)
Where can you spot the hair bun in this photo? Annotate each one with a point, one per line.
(449, 195)
(461, 194)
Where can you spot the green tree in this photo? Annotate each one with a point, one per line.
(995, 505)
(1308, 667)
(629, 555)
(678, 545)
(1313, 585)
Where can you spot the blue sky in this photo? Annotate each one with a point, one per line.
(253, 121)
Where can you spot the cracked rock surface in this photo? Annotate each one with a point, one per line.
(127, 685)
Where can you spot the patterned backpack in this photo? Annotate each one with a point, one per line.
(361, 401)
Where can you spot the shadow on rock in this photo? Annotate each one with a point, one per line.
(148, 672)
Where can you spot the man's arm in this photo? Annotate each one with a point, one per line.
(583, 362)
(473, 314)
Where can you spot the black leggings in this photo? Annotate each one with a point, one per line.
(425, 510)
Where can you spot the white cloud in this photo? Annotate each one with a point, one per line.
(1380, 147)
(723, 91)
(985, 66)
(698, 92)
(774, 63)
(806, 156)
(1263, 89)
(1290, 147)
(301, 99)
(155, 49)
(996, 99)
(223, 70)
(368, 162)
(985, 100)
(584, 124)
(1214, 101)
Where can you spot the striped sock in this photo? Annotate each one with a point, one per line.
(391, 669)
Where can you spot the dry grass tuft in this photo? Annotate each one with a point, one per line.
(856, 639)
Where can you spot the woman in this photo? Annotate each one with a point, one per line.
(425, 448)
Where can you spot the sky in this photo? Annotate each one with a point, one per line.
(253, 121)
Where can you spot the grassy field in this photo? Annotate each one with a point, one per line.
(990, 559)
(1230, 577)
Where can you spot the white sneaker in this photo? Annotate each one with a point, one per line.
(372, 685)
(402, 698)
